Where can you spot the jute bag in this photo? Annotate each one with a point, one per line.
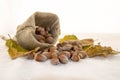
(26, 36)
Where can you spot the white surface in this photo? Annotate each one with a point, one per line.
(97, 68)
(76, 16)
(101, 16)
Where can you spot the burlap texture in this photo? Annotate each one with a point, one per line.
(26, 36)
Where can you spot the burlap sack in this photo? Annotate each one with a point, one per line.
(26, 36)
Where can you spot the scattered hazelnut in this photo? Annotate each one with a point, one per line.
(52, 48)
(80, 49)
(74, 42)
(59, 54)
(74, 48)
(63, 59)
(82, 54)
(40, 57)
(66, 53)
(65, 42)
(55, 61)
(66, 47)
(47, 54)
(73, 52)
(75, 57)
(30, 56)
(54, 54)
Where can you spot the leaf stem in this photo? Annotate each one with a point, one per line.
(9, 36)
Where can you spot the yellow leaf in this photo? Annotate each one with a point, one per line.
(14, 49)
(68, 37)
(98, 50)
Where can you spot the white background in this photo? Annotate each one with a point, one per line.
(76, 16)
(101, 17)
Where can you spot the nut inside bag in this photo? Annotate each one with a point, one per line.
(40, 30)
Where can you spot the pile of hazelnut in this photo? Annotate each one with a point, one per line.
(61, 53)
(44, 35)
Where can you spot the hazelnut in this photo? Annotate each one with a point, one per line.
(40, 57)
(52, 48)
(66, 47)
(59, 48)
(65, 42)
(49, 40)
(47, 34)
(66, 53)
(47, 54)
(37, 31)
(30, 55)
(63, 59)
(74, 48)
(41, 38)
(55, 61)
(82, 54)
(40, 31)
(80, 49)
(54, 54)
(73, 52)
(75, 42)
(75, 57)
(42, 41)
(69, 46)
